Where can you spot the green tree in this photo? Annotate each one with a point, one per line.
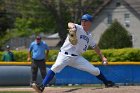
(116, 36)
(64, 11)
(27, 17)
(33, 18)
(7, 18)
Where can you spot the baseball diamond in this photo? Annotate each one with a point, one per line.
(85, 89)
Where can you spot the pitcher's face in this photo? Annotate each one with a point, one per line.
(86, 24)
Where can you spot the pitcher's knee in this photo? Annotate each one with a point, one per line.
(95, 71)
(56, 69)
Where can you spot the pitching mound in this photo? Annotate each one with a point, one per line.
(121, 89)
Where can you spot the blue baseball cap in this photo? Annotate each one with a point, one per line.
(87, 17)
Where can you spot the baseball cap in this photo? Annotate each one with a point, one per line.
(87, 17)
(7, 46)
(38, 38)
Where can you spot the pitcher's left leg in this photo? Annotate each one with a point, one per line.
(82, 64)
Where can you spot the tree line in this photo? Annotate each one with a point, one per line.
(23, 18)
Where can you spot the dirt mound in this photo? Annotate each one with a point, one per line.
(121, 89)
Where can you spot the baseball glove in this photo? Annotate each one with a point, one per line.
(72, 36)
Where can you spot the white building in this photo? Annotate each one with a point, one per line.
(127, 12)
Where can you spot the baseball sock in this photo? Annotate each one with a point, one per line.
(48, 78)
(102, 78)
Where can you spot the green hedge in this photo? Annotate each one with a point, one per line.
(113, 55)
(121, 37)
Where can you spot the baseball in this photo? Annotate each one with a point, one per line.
(104, 63)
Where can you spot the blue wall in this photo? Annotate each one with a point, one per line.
(116, 73)
(20, 75)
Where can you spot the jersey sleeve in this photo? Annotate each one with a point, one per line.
(92, 42)
(46, 46)
(31, 47)
(77, 27)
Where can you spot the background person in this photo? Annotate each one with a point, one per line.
(8, 55)
(38, 53)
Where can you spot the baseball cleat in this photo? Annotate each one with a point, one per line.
(31, 84)
(37, 88)
(111, 84)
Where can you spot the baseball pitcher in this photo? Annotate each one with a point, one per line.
(76, 43)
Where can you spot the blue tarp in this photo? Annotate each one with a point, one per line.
(20, 75)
